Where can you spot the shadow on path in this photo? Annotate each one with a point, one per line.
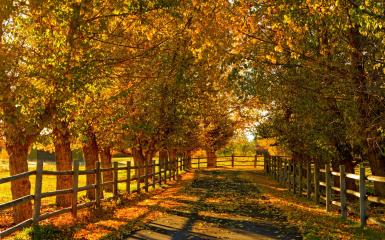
(217, 204)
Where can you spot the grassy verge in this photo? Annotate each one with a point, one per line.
(312, 220)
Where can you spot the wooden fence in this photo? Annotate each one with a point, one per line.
(230, 161)
(154, 173)
(300, 178)
(313, 181)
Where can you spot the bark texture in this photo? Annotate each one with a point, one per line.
(211, 159)
(172, 157)
(139, 160)
(106, 162)
(63, 157)
(90, 151)
(163, 155)
(18, 155)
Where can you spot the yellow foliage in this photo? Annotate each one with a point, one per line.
(270, 145)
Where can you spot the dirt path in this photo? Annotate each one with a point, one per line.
(216, 204)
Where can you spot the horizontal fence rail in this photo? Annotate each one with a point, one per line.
(229, 161)
(327, 186)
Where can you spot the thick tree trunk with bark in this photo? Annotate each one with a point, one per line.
(139, 159)
(163, 155)
(149, 154)
(377, 165)
(106, 162)
(188, 156)
(172, 154)
(63, 156)
(211, 159)
(148, 157)
(345, 157)
(18, 155)
(90, 151)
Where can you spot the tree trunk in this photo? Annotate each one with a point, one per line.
(148, 157)
(345, 157)
(188, 156)
(90, 151)
(163, 155)
(63, 156)
(172, 157)
(211, 159)
(18, 155)
(377, 165)
(106, 162)
(139, 159)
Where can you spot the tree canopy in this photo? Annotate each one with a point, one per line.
(165, 75)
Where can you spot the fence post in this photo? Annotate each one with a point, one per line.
(146, 175)
(289, 173)
(153, 174)
(75, 182)
(170, 169)
(316, 182)
(138, 177)
(285, 172)
(362, 197)
(128, 181)
(265, 163)
(181, 164)
(300, 184)
(294, 178)
(98, 184)
(328, 187)
(308, 179)
(343, 192)
(279, 169)
(160, 173)
(174, 168)
(276, 168)
(232, 160)
(115, 177)
(255, 160)
(38, 189)
(199, 163)
(281, 166)
(269, 166)
(165, 170)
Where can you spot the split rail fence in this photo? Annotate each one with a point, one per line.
(151, 174)
(301, 178)
(315, 181)
(230, 161)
